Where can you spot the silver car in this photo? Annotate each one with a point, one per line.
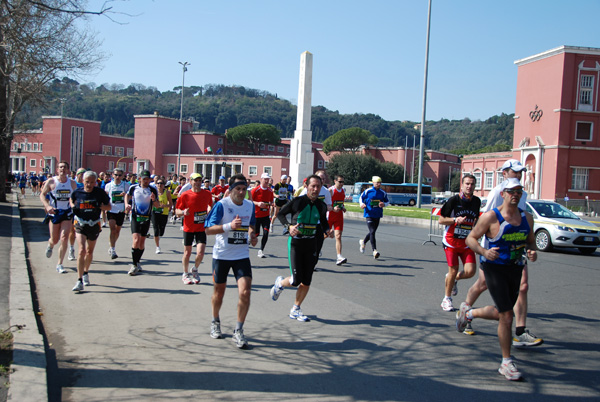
(556, 226)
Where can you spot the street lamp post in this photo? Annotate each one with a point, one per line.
(422, 142)
(181, 116)
(62, 104)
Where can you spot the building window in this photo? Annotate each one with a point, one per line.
(580, 178)
(240, 143)
(111, 165)
(499, 177)
(268, 169)
(119, 151)
(170, 168)
(287, 150)
(41, 147)
(478, 180)
(262, 147)
(35, 146)
(41, 163)
(32, 163)
(252, 170)
(272, 148)
(583, 131)
(107, 149)
(280, 149)
(585, 90)
(15, 146)
(130, 167)
(183, 169)
(28, 146)
(489, 181)
(326, 163)
(220, 141)
(320, 164)
(129, 151)
(240, 152)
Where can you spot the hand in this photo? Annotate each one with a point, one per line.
(363, 206)
(127, 209)
(381, 204)
(186, 212)
(531, 255)
(491, 254)
(331, 234)
(293, 229)
(50, 210)
(152, 197)
(236, 223)
(253, 239)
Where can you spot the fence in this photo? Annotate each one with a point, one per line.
(435, 229)
(588, 207)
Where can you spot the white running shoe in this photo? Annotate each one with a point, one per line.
(86, 279)
(454, 288)
(104, 225)
(376, 254)
(195, 276)
(461, 316)
(113, 254)
(271, 228)
(158, 250)
(187, 279)
(60, 269)
(510, 372)
(361, 243)
(48, 251)
(78, 287)
(261, 254)
(277, 288)
(447, 304)
(239, 339)
(133, 270)
(341, 260)
(296, 314)
(71, 254)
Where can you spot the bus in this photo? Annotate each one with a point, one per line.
(398, 194)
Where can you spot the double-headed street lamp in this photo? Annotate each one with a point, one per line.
(181, 116)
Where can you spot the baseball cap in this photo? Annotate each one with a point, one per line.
(152, 176)
(514, 165)
(80, 170)
(221, 177)
(284, 176)
(144, 173)
(195, 176)
(376, 179)
(265, 176)
(513, 182)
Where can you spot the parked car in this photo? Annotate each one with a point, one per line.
(556, 226)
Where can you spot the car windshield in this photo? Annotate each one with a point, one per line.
(552, 210)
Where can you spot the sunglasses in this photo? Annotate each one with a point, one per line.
(118, 175)
(160, 182)
(340, 181)
(515, 191)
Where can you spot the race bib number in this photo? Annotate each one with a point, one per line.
(307, 230)
(157, 210)
(338, 204)
(517, 255)
(375, 203)
(63, 195)
(462, 231)
(199, 217)
(117, 197)
(238, 236)
(142, 218)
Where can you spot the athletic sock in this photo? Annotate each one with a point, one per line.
(216, 320)
(506, 360)
(134, 255)
(519, 331)
(239, 326)
(469, 315)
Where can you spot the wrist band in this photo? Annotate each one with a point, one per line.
(227, 227)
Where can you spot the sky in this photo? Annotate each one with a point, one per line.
(368, 56)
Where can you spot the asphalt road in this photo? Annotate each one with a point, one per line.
(377, 332)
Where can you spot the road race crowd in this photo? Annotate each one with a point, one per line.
(236, 212)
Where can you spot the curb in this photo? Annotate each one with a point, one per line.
(397, 220)
(28, 379)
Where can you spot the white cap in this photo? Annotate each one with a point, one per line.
(513, 182)
(283, 177)
(265, 176)
(514, 165)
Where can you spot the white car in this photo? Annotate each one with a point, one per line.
(556, 226)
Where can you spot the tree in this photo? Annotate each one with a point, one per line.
(356, 167)
(349, 138)
(39, 41)
(255, 134)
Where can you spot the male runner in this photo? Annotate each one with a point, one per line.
(193, 206)
(79, 181)
(325, 196)
(280, 191)
(335, 218)
(218, 191)
(55, 198)
(372, 201)
(459, 215)
(509, 231)
(34, 180)
(116, 190)
(512, 168)
(232, 221)
(308, 212)
(23, 179)
(140, 199)
(262, 197)
(87, 203)
(160, 215)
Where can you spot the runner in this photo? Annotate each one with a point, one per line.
(102, 182)
(372, 201)
(512, 168)
(172, 186)
(218, 191)
(35, 181)
(308, 212)
(325, 196)
(459, 214)
(79, 182)
(116, 190)
(139, 200)
(55, 198)
(509, 231)
(262, 197)
(193, 206)
(23, 184)
(160, 214)
(232, 221)
(335, 218)
(88, 204)
(281, 198)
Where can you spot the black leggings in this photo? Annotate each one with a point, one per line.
(303, 257)
(159, 222)
(263, 223)
(372, 224)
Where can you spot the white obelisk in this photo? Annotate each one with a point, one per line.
(301, 157)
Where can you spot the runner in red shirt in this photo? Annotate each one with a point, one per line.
(219, 191)
(262, 196)
(193, 206)
(335, 218)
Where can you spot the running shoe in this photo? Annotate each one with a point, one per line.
(78, 287)
(215, 330)
(195, 276)
(271, 228)
(341, 260)
(469, 329)
(376, 254)
(60, 269)
(110, 249)
(509, 371)
(296, 314)
(454, 288)
(240, 339)
(158, 250)
(113, 254)
(261, 254)
(526, 339)
(361, 244)
(139, 267)
(133, 270)
(86, 279)
(447, 304)
(461, 315)
(104, 225)
(71, 254)
(277, 288)
(187, 279)
(48, 251)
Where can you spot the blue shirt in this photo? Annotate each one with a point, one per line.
(371, 198)
(510, 240)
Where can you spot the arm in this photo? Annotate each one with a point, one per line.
(531, 247)
(45, 190)
(482, 227)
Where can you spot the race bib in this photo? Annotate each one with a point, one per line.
(63, 195)
(117, 197)
(142, 218)
(238, 236)
(517, 255)
(375, 203)
(157, 210)
(338, 204)
(199, 217)
(307, 230)
(462, 231)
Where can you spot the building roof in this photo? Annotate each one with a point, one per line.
(558, 50)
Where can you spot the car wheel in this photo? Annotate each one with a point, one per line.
(411, 203)
(543, 241)
(587, 251)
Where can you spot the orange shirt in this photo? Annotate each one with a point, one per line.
(263, 195)
(198, 204)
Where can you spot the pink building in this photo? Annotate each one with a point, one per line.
(557, 121)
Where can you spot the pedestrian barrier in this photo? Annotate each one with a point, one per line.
(435, 229)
